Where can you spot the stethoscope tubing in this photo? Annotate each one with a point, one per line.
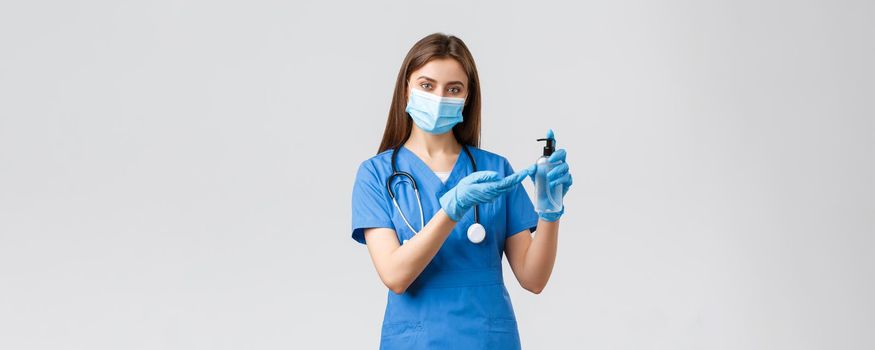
(396, 173)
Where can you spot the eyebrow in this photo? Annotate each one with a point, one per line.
(432, 80)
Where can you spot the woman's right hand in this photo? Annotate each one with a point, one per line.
(478, 188)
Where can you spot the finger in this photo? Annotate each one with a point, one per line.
(485, 194)
(481, 197)
(513, 179)
(565, 180)
(492, 193)
(558, 171)
(565, 188)
(532, 169)
(557, 155)
(482, 176)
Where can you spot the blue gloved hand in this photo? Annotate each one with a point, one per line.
(478, 188)
(558, 176)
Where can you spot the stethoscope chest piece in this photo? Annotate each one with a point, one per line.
(476, 233)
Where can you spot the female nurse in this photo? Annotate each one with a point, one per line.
(446, 285)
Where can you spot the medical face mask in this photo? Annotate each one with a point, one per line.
(432, 113)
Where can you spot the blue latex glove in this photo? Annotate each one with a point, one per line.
(558, 176)
(478, 188)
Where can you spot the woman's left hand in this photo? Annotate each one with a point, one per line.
(558, 176)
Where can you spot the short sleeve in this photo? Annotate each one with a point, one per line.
(521, 213)
(369, 206)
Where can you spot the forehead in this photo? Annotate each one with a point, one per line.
(442, 70)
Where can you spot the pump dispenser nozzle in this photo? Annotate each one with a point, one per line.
(551, 143)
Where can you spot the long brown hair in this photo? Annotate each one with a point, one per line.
(437, 45)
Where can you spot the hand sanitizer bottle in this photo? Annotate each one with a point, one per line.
(549, 201)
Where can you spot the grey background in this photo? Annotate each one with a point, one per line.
(177, 174)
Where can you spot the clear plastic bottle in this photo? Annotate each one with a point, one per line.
(549, 201)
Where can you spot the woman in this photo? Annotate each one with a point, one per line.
(443, 272)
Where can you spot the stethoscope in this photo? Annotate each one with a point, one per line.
(476, 232)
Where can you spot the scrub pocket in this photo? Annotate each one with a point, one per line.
(503, 334)
(401, 335)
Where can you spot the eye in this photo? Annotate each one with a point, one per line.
(426, 86)
(455, 90)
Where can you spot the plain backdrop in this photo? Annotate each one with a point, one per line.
(178, 174)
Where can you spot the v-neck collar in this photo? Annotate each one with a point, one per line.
(461, 162)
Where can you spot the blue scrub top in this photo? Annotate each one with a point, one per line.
(459, 301)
